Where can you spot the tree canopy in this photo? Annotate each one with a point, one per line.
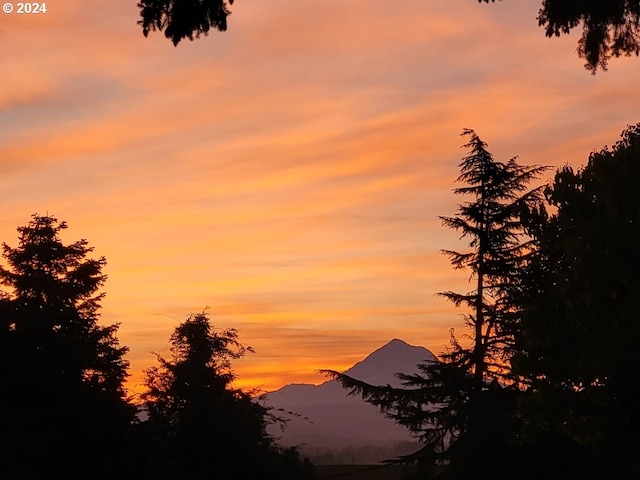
(180, 19)
(582, 316)
(63, 398)
(64, 412)
(202, 424)
(610, 28)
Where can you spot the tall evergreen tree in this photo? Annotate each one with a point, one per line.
(64, 411)
(458, 406)
(492, 223)
(200, 423)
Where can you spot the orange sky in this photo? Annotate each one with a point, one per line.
(286, 173)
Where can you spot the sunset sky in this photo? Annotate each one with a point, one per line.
(288, 173)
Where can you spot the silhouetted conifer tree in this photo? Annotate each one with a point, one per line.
(203, 426)
(462, 408)
(492, 223)
(63, 408)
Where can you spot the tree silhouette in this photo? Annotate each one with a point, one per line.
(182, 19)
(611, 28)
(581, 329)
(491, 222)
(64, 411)
(201, 424)
(459, 406)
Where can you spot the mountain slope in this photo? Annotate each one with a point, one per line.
(325, 416)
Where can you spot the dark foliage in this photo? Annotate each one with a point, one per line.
(582, 324)
(200, 424)
(492, 224)
(180, 19)
(610, 28)
(63, 410)
(464, 407)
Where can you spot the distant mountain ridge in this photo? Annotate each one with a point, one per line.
(325, 416)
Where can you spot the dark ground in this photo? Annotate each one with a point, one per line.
(359, 472)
